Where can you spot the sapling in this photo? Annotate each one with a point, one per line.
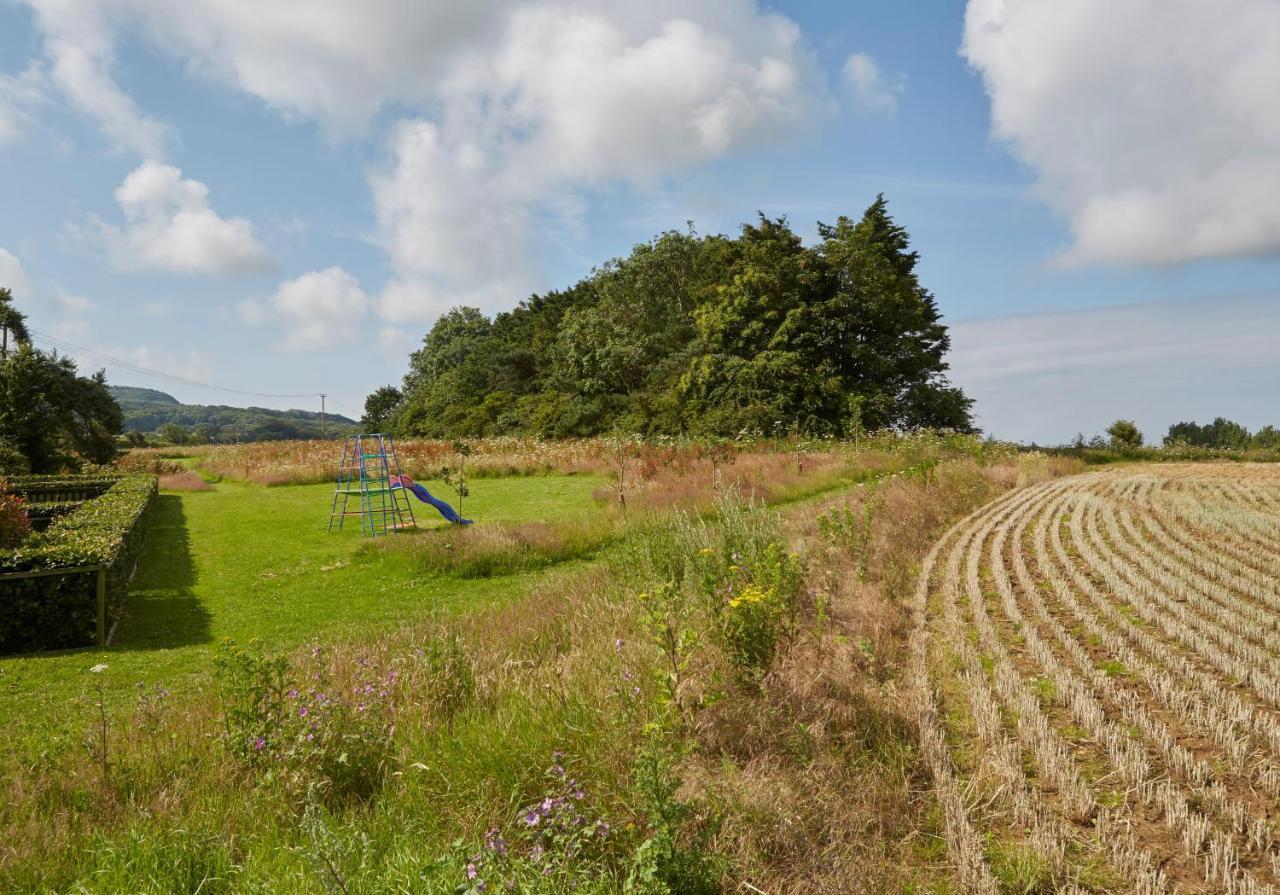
(457, 478)
(623, 451)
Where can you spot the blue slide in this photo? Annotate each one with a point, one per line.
(403, 481)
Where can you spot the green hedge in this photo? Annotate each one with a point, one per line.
(58, 611)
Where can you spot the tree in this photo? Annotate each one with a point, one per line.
(380, 407)
(1267, 438)
(173, 433)
(13, 323)
(1124, 435)
(52, 416)
(883, 328)
(758, 362)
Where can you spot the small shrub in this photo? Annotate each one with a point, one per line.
(15, 524)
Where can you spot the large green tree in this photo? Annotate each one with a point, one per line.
(49, 415)
(696, 334)
(881, 328)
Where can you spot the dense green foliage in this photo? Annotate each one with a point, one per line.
(1222, 433)
(703, 336)
(151, 411)
(1124, 435)
(380, 408)
(50, 417)
(55, 611)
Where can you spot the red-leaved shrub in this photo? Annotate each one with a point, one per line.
(14, 523)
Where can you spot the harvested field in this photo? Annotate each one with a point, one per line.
(1096, 678)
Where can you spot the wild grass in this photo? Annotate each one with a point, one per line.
(715, 767)
(184, 481)
(502, 548)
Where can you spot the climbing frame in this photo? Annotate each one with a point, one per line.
(368, 463)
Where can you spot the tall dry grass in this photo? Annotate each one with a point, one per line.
(312, 462)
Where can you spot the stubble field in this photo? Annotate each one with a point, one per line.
(1095, 671)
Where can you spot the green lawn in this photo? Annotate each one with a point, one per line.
(244, 561)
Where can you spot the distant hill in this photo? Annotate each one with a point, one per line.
(128, 394)
(148, 410)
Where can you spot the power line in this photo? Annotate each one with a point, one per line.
(135, 368)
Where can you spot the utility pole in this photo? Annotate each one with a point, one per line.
(324, 430)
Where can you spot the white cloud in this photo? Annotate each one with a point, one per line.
(71, 304)
(80, 48)
(508, 110)
(170, 226)
(320, 309)
(572, 98)
(1151, 125)
(18, 94)
(12, 276)
(1046, 377)
(870, 89)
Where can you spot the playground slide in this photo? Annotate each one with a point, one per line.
(403, 481)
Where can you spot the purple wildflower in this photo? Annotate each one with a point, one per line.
(259, 744)
(302, 711)
(293, 693)
(532, 817)
(617, 645)
(471, 871)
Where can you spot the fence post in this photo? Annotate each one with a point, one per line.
(102, 606)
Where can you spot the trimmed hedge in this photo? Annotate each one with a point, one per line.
(59, 611)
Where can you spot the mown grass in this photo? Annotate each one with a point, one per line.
(245, 562)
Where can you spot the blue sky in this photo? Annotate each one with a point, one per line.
(280, 199)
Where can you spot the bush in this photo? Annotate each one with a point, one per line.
(15, 524)
(59, 611)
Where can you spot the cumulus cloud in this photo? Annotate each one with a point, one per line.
(320, 309)
(12, 275)
(1151, 125)
(870, 89)
(508, 110)
(170, 226)
(1045, 377)
(567, 100)
(331, 60)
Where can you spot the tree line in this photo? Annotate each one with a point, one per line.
(698, 335)
(1222, 433)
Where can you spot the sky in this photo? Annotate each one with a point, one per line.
(278, 199)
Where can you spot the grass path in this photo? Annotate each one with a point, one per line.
(243, 561)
